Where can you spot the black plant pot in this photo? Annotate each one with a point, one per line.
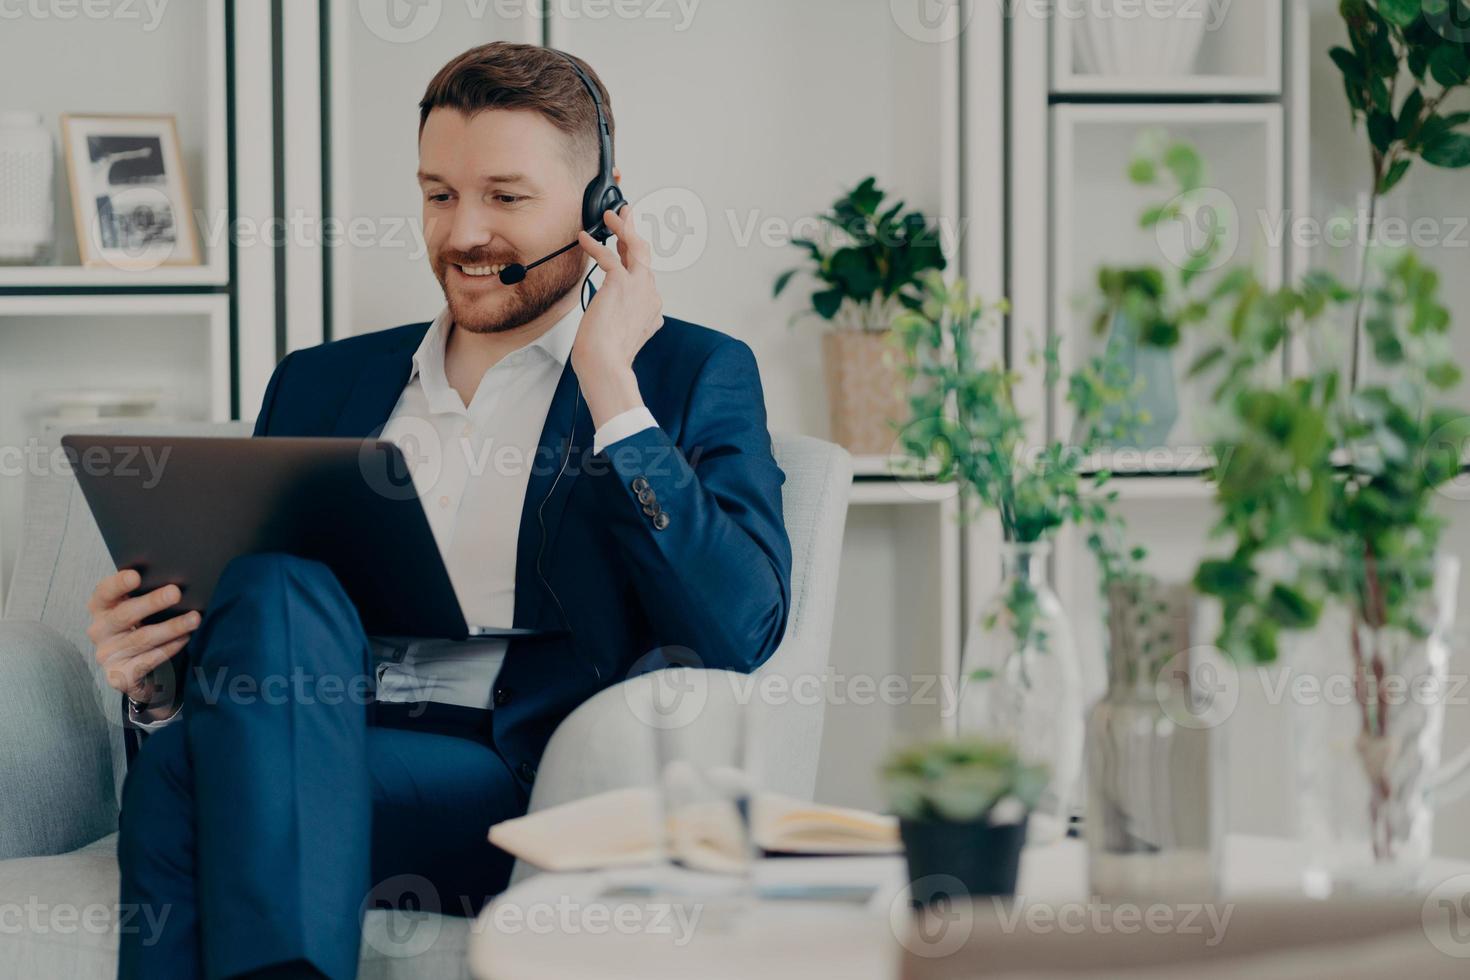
(961, 859)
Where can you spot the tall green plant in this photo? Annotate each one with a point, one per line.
(1406, 57)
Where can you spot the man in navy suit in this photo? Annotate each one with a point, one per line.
(604, 476)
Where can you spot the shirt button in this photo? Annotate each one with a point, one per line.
(660, 520)
(444, 501)
(468, 430)
(502, 697)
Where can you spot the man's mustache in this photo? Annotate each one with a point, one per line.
(474, 259)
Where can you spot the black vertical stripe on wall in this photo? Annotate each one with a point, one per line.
(278, 166)
(232, 259)
(324, 61)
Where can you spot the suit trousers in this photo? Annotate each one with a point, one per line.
(261, 826)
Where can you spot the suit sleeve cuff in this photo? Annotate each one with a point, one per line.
(620, 427)
(135, 720)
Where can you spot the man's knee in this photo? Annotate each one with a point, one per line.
(273, 613)
(263, 587)
(257, 576)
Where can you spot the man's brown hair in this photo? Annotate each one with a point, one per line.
(501, 75)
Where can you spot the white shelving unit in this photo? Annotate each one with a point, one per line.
(204, 340)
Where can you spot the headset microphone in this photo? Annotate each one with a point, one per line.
(601, 195)
(515, 272)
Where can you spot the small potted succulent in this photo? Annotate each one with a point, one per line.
(866, 266)
(962, 808)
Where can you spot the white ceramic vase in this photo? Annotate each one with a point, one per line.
(1128, 39)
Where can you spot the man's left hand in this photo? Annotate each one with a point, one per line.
(626, 311)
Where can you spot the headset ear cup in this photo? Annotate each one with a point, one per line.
(592, 210)
(600, 199)
(613, 200)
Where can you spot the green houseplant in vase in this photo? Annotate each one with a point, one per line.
(866, 268)
(1326, 483)
(962, 807)
(1021, 682)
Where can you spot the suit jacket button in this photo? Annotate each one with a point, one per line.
(639, 484)
(660, 520)
(502, 697)
(647, 496)
(652, 510)
(527, 771)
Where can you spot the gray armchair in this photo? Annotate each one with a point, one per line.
(61, 737)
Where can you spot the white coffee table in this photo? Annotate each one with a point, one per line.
(565, 926)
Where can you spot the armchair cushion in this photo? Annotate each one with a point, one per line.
(55, 750)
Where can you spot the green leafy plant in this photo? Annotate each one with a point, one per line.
(1327, 494)
(868, 268)
(1325, 486)
(1405, 58)
(968, 428)
(961, 781)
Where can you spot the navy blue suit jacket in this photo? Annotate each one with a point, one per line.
(711, 587)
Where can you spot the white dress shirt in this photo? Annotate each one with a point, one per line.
(470, 465)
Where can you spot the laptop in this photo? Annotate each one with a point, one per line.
(179, 509)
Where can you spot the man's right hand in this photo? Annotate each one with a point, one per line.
(129, 653)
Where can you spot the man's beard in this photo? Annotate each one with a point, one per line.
(543, 287)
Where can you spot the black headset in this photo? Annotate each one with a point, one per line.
(602, 195)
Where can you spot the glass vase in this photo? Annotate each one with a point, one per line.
(1155, 799)
(1369, 705)
(1021, 682)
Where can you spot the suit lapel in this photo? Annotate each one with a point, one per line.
(376, 389)
(547, 491)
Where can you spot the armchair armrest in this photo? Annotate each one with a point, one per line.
(611, 740)
(56, 783)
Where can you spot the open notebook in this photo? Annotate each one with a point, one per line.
(616, 829)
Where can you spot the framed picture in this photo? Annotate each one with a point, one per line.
(129, 192)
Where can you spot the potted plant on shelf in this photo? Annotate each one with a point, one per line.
(1326, 486)
(962, 810)
(867, 269)
(1021, 681)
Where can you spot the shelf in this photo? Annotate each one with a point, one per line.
(1097, 52)
(1188, 85)
(65, 277)
(882, 465)
(886, 492)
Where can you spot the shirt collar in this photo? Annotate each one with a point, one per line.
(428, 359)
